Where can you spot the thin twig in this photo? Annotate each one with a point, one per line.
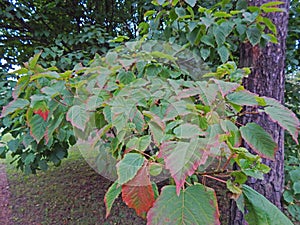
(215, 178)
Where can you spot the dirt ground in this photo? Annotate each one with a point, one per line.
(5, 212)
(84, 191)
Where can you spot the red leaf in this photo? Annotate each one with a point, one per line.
(43, 113)
(138, 193)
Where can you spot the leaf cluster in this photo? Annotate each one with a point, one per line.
(148, 115)
(214, 32)
(149, 120)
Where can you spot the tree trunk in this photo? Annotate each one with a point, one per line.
(266, 79)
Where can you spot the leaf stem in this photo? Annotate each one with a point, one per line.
(215, 178)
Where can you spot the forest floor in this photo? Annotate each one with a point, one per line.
(5, 212)
(72, 193)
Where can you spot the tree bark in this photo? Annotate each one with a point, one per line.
(266, 79)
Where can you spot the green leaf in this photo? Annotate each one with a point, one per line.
(127, 63)
(54, 90)
(296, 187)
(272, 9)
(111, 195)
(254, 35)
(191, 2)
(157, 54)
(78, 116)
(242, 98)
(295, 174)
(222, 15)
(270, 25)
(125, 77)
(231, 128)
(196, 205)
(140, 144)
(144, 142)
(160, 2)
(13, 106)
(288, 196)
(47, 74)
(29, 159)
(275, 3)
(270, 37)
(205, 53)
(208, 40)
(208, 20)
(188, 131)
(285, 118)
(157, 132)
(155, 169)
(157, 127)
(37, 127)
(138, 119)
(149, 13)
(220, 35)
(261, 211)
(183, 158)
(180, 11)
(54, 124)
(223, 53)
(33, 61)
(233, 188)
(128, 167)
(111, 58)
(43, 165)
(241, 29)
(13, 145)
(21, 85)
(259, 140)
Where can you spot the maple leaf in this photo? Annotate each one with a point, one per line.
(138, 192)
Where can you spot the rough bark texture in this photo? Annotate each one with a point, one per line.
(267, 79)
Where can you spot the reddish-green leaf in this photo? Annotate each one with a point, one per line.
(226, 87)
(128, 167)
(41, 109)
(259, 140)
(183, 158)
(21, 85)
(13, 106)
(206, 92)
(242, 98)
(78, 116)
(43, 113)
(37, 127)
(196, 205)
(138, 193)
(112, 193)
(157, 127)
(284, 117)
